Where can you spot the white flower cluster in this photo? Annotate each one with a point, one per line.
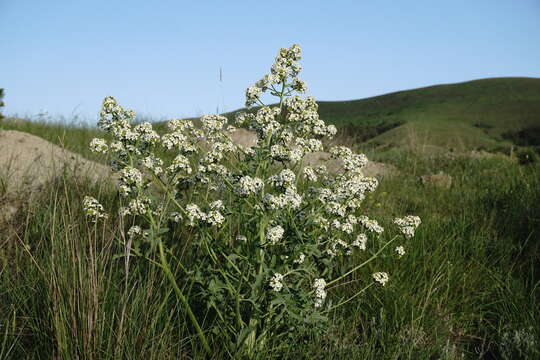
(252, 95)
(146, 134)
(320, 292)
(407, 225)
(130, 180)
(177, 140)
(134, 231)
(303, 116)
(218, 150)
(370, 224)
(194, 214)
(346, 226)
(337, 247)
(301, 259)
(284, 179)
(115, 120)
(360, 242)
(153, 164)
(285, 153)
(380, 277)
(343, 196)
(99, 146)
(310, 173)
(212, 218)
(295, 131)
(289, 199)
(93, 209)
(309, 145)
(400, 250)
(216, 205)
(137, 206)
(183, 136)
(285, 66)
(180, 163)
(274, 234)
(181, 125)
(212, 124)
(276, 282)
(248, 185)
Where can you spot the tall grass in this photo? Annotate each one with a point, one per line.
(72, 296)
(467, 285)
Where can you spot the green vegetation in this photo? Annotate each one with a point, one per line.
(462, 116)
(469, 283)
(467, 287)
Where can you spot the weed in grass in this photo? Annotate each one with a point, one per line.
(299, 225)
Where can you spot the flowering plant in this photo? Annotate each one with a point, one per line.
(269, 235)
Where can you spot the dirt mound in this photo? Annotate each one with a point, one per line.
(243, 137)
(372, 169)
(440, 180)
(247, 138)
(27, 162)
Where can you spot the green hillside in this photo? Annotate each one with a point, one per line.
(480, 113)
(488, 113)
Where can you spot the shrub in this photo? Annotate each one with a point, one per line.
(529, 136)
(268, 237)
(526, 156)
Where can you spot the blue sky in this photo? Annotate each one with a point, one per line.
(162, 58)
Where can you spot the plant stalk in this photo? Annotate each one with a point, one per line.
(180, 295)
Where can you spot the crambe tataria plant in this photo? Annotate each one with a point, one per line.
(268, 236)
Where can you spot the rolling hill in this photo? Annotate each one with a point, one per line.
(487, 113)
(480, 113)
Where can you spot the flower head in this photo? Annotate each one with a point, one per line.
(276, 282)
(407, 225)
(380, 277)
(93, 209)
(320, 292)
(274, 234)
(98, 146)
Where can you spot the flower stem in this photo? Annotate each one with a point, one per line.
(180, 295)
(362, 264)
(349, 299)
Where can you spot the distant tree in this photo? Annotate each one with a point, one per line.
(1, 103)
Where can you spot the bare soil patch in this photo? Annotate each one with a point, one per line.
(28, 162)
(376, 169)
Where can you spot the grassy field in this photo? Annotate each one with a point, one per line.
(468, 287)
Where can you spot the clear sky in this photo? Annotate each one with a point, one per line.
(162, 58)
